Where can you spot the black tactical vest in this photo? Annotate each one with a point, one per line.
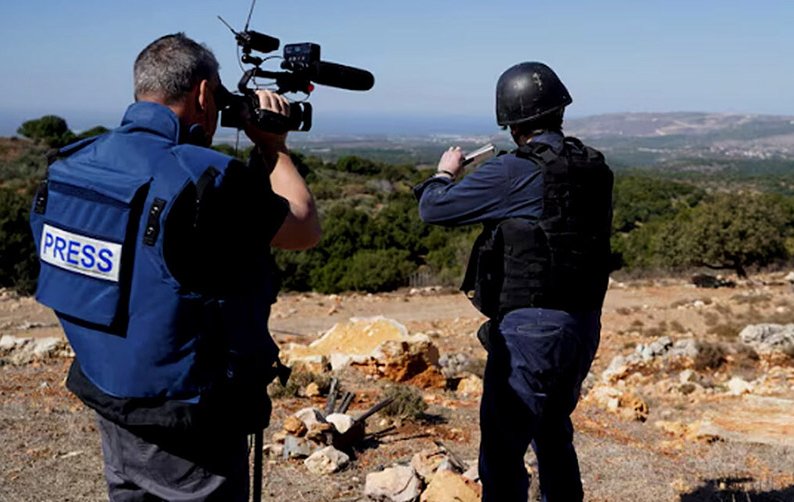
(561, 261)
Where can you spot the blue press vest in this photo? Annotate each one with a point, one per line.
(99, 230)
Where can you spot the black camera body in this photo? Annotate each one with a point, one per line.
(301, 67)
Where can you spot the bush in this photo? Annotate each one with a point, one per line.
(408, 402)
(710, 356)
(19, 266)
(640, 199)
(299, 380)
(726, 233)
(357, 165)
(49, 129)
(377, 270)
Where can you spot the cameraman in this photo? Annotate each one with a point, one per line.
(156, 257)
(539, 271)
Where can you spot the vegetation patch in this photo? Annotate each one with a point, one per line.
(710, 356)
(408, 403)
(299, 380)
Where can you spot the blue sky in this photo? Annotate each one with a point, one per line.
(435, 62)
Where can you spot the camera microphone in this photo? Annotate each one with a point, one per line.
(343, 77)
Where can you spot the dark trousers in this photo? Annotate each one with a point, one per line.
(152, 465)
(536, 363)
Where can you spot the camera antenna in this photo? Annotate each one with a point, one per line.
(250, 13)
(229, 26)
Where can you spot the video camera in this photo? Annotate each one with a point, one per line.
(302, 68)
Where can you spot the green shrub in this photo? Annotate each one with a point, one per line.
(408, 402)
(376, 270)
(299, 380)
(710, 356)
(49, 129)
(728, 231)
(19, 266)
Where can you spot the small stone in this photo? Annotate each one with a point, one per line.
(397, 484)
(10, 342)
(686, 347)
(326, 461)
(448, 486)
(768, 338)
(279, 437)
(673, 428)
(687, 376)
(310, 416)
(426, 462)
(312, 390)
(341, 422)
(273, 451)
(447, 465)
(295, 426)
(322, 433)
(738, 386)
(633, 407)
(295, 447)
(656, 348)
(617, 370)
(470, 386)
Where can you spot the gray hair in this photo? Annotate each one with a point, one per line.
(171, 66)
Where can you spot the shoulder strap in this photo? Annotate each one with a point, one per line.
(57, 154)
(540, 153)
(54, 155)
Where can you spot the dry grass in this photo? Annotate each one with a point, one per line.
(297, 381)
(710, 356)
(723, 309)
(475, 366)
(710, 318)
(760, 299)
(727, 330)
(408, 402)
(677, 327)
(655, 331)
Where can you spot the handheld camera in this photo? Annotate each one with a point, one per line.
(301, 68)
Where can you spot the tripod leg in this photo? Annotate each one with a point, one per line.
(258, 445)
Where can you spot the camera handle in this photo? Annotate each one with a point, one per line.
(279, 124)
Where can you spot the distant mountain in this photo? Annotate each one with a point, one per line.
(662, 137)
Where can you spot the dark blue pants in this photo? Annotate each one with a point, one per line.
(154, 465)
(536, 363)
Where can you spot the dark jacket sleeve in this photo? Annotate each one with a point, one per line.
(498, 189)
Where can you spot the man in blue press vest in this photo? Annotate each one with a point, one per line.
(155, 255)
(539, 272)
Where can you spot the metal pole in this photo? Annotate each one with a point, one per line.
(258, 446)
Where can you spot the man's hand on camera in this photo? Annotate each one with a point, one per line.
(269, 142)
(451, 163)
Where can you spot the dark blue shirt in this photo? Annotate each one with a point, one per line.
(503, 187)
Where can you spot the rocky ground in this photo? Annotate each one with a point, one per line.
(683, 403)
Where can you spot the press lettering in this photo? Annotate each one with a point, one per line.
(88, 260)
(60, 245)
(48, 240)
(72, 252)
(105, 256)
(80, 254)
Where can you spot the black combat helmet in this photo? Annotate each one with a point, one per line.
(527, 91)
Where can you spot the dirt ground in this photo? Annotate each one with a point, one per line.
(49, 446)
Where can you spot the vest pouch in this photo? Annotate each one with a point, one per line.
(84, 226)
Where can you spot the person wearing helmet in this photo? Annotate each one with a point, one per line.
(539, 272)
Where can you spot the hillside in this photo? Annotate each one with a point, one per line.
(679, 407)
(696, 138)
